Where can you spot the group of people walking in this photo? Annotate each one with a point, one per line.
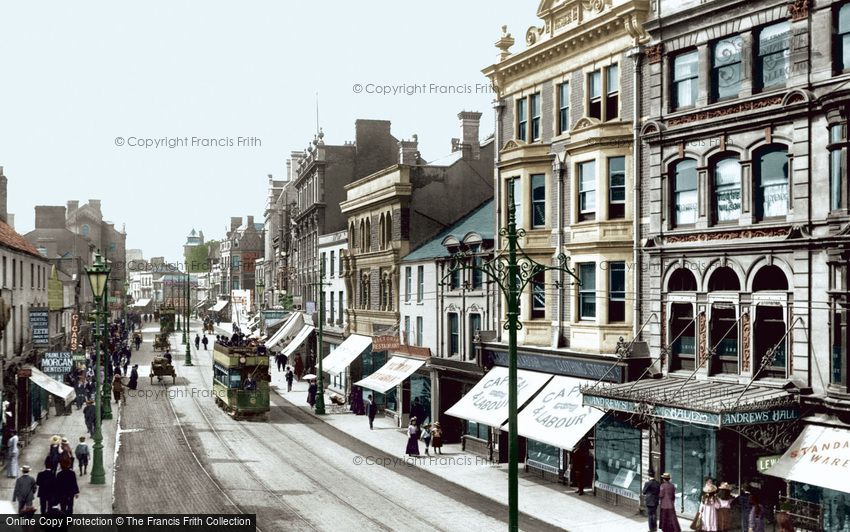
(430, 434)
(715, 509)
(56, 486)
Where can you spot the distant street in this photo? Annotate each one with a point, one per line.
(294, 472)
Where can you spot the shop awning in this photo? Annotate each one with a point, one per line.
(219, 306)
(391, 374)
(820, 456)
(142, 303)
(487, 402)
(556, 415)
(346, 353)
(299, 339)
(52, 386)
(293, 323)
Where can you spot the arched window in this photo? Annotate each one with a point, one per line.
(389, 227)
(368, 238)
(727, 190)
(362, 239)
(723, 279)
(685, 194)
(770, 278)
(771, 182)
(352, 237)
(85, 230)
(682, 280)
(381, 232)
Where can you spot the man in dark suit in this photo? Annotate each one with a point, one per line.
(371, 410)
(46, 481)
(651, 493)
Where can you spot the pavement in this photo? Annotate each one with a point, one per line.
(93, 499)
(551, 503)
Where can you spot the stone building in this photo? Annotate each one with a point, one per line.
(332, 247)
(743, 236)
(239, 249)
(279, 205)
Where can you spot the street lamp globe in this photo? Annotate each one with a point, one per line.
(98, 275)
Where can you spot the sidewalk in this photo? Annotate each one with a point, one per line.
(93, 499)
(550, 502)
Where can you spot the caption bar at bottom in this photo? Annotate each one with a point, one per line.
(133, 522)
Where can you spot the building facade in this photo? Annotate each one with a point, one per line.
(332, 247)
(277, 272)
(242, 246)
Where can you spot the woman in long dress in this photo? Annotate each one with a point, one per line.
(412, 439)
(669, 521)
(724, 513)
(708, 507)
(13, 453)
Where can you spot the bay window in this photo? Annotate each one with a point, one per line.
(616, 187)
(538, 295)
(513, 192)
(587, 291)
(587, 190)
(538, 200)
(616, 292)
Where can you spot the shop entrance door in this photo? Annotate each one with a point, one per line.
(690, 456)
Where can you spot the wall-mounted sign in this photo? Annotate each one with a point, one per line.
(57, 364)
(40, 326)
(75, 331)
(560, 365)
(384, 343)
(763, 463)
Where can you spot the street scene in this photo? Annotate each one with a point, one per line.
(569, 265)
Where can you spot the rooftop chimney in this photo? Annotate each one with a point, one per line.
(408, 151)
(250, 222)
(235, 222)
(49, 217)
(470, 124)
(73, 205)
(95, 204)
(4, 215)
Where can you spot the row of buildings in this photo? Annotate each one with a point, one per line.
(690, 159)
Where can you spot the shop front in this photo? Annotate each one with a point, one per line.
(694, 430)
(346, 361)
(403, 383)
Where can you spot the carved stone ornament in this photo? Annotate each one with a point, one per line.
(533, 35)
(799, 9)
(745, 332)
(726, 111)
(654, 53)
(728, 235)
(595, 5)
(703, 339)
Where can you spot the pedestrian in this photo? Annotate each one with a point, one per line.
(412, 438)
(54, 452)
(289, 377)
(125, 361)
(756, 521)
(118, 389)
(724, 511)
(25, 488)
(651, 491)
(667, 492)
(299, 368)
(437, 437)
(134, 377)
(12, 452)
(417, 412)
(197, 341)
(371, 411)
(167, 356)
(279, 360)
(82, 454)
(311, 393)
(80, 391)
(89, 415)
(67, 455)
(46, 482)
(205, 341)
(708, 505)
(67, 489)
(426, 437)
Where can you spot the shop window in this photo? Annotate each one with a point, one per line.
(522, 120)
(538, 200)
(618, 455)
(474, 329)
(727, 190)
(543, 453)
(564, 107)
(726, 68)
(587, 291)
(454, 334)
(769, 330)
(690, 456)
(616, 292)
(773, 51)
(685, 192)
(771, 183)
(685, 80)
(834, 504)
(477, 430)
(612, 92)
(682, 337)
(616, 187)
(723, 337)
(841, 45)
(724, 279)
(538, 295)
(420, 395)
(587, 190)
(594, 94)
(682, 280)
(837, 166)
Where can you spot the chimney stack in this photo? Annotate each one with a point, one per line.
(408, 151)
(4, 214)
(235, 222)
(95, 204)
(470, 124)
(73, 205)
(250, 221)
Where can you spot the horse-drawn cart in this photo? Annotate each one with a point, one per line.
(161, 343)
(161, 367)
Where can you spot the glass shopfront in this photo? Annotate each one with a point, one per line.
(835, 505)
(420, 395)
(618, 457)
(690, 456)
(372, 361)
(545, 454)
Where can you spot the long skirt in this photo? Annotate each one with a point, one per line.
(412, 446)
(669, 521)
(13, 466)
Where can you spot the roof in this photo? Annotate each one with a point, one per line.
(13, 240)
(480, 221)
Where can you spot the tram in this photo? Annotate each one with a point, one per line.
(241, 381)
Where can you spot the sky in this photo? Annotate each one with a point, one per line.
(85, 85)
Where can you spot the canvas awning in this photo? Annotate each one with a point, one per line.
(293, 323)
(391, 374)
(299, 339)
(346, 353)
(219, 306)
(142, 303)
(820, 456)
(52, 386)
(556, 415)
(487, 402)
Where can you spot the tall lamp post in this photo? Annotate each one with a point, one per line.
(98, 276)
(188, 359)
(320, 392)
(512, 273)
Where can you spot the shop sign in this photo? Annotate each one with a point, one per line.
(607, 403)
(384, 343)
(560, 365)
(57, 364)
(761, 416)
(78, 357)
(617, 490)
(40, 326)
(689, 416)
(75, 331)
(763, 463)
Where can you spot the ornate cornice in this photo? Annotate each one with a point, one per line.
(772, 232)
(752, 105)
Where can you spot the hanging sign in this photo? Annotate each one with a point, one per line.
(40, 326)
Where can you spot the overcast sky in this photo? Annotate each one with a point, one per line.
(76, 75)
